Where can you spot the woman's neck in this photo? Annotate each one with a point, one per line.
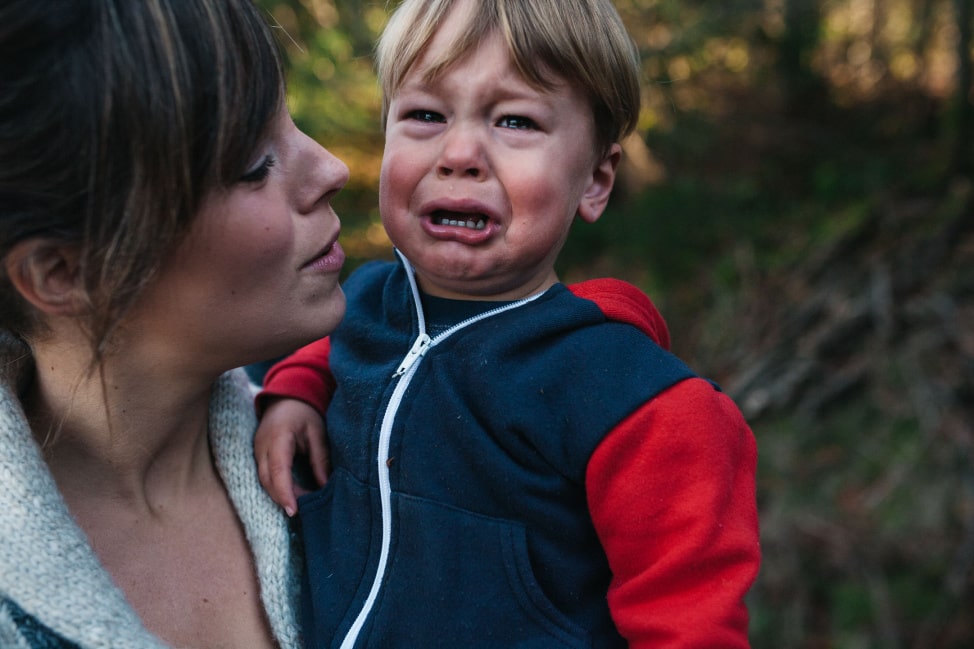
(131, 430)
(131, 458)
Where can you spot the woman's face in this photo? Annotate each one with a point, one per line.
(257, 274)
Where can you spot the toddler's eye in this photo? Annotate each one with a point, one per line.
(423, 115)
(260, 172)
(517, 122)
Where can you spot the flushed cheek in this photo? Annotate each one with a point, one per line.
(395, 184)
(404, 167)
(396, 197)
(530, 201)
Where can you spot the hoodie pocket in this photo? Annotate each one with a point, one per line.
(456, 578)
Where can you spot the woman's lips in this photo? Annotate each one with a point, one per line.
(330, 260)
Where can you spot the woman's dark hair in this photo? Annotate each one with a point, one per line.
(117, 117)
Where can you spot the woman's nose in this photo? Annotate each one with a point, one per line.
(325, 177)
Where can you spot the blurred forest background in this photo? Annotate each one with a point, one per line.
(798, 202)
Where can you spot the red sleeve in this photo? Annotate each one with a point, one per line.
(303, 375)
(672, 496)
(623, 302)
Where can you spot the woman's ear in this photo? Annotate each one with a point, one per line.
(47, 274)
(596, 195)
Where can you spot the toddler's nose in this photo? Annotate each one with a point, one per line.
(462, 153)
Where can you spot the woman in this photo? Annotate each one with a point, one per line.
(162, 221)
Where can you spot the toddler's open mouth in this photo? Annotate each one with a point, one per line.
(459, 219)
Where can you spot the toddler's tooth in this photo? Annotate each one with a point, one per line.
(472, 223)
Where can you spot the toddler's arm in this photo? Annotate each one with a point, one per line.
(288, 427)
(672, 495)
(292, 404)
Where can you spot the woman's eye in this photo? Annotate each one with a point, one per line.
(423, 115)
(517, 122)
(260, 172)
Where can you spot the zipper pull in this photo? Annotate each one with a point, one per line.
(417, 351)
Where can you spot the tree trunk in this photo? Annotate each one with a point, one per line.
(803, 88)
(959, 130)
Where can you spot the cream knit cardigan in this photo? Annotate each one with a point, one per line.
(47, 567)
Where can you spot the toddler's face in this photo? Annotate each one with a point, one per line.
(483, 173)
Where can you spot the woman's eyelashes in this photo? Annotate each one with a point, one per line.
(260, 172)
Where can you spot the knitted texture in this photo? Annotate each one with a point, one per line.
(49, 572)
(232, 425)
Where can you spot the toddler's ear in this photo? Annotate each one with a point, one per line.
(47, 274)
(596, 195)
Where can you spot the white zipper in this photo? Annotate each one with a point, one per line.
(405, 372)
(416, 352)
